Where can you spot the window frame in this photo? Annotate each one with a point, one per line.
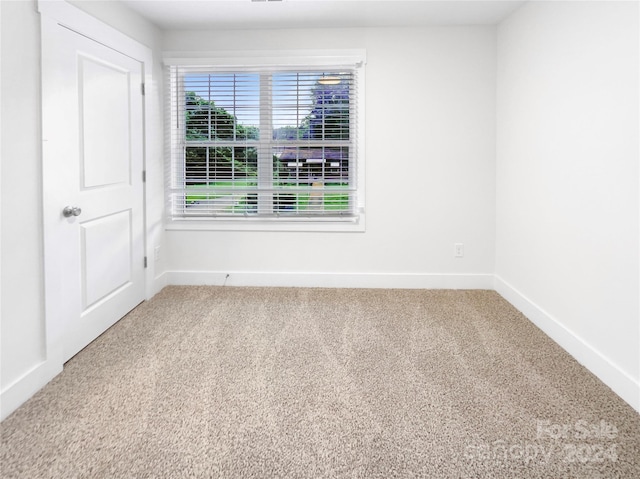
(272, 61)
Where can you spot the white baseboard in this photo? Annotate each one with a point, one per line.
(332, 280)
(619, 381)
(158, 283)
(26, 386)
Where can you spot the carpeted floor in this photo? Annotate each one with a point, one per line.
(322, 383)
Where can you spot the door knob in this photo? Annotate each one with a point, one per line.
(69, 211)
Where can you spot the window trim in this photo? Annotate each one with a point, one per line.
(281, 60)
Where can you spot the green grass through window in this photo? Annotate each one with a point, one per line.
(283, 201)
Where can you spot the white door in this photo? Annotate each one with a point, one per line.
(92, 187)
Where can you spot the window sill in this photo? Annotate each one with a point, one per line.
(353, 225)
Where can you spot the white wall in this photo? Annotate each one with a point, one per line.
(430, 168)
(24, 367)
(22, 287)
(567, 179)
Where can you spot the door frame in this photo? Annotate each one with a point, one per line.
(54, 13)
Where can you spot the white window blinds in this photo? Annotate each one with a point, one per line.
(264, 143)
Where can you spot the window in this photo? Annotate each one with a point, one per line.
(265, 145)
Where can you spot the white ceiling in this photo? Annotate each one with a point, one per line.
(248, 14)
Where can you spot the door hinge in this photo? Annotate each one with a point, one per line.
(142, 88)
(144, 176)
(145, 261)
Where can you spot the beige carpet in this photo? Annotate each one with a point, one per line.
(323, 383)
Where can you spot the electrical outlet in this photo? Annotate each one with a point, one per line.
(458, 250)
(156, 253)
